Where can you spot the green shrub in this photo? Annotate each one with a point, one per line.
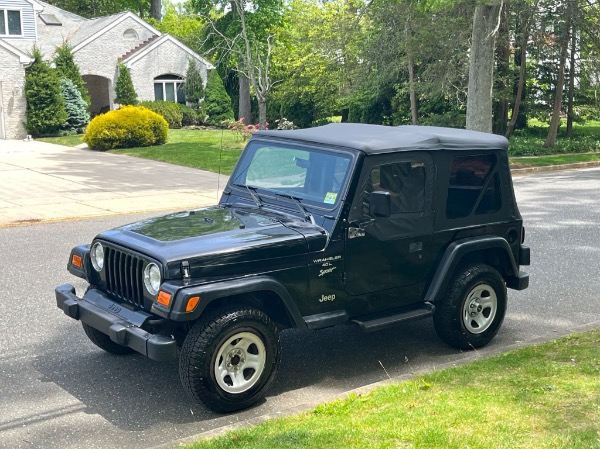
(170, 111)
(76, 107)
(217, 102)
(45, 111)
(124, 89)
(128, 127)
(194, 85)
(190, 116)
(66, 68)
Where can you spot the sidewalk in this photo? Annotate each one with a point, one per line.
(45, 182)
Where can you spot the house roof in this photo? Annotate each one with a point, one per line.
(384, 139)
(138, 54)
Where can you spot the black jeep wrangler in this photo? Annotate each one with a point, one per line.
(339, 224)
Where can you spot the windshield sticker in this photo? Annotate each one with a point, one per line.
(330, 198)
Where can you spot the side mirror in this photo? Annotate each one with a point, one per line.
(380, 204)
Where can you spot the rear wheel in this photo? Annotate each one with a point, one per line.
(229, 358)
(473, 311)
(103, 341)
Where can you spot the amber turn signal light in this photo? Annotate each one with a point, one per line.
(164, 298)
(76, 261)
(192, 303)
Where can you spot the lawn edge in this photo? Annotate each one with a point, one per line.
(470, 357)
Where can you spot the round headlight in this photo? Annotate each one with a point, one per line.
(97, 256)
(152, 278)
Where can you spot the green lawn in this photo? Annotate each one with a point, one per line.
(203, 149)
(538, 397)
(211, 149)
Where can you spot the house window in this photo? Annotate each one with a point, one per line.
(169, 88)
(130, 35)
(10, 23)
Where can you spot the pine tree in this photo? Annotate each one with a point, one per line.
(78, 116)
(194, 85)
(124, 88)
(45, 111)
(217, 101)
(66, 68)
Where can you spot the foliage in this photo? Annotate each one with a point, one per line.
(66, 68)
(194, 85)
(241, 130)
(189, 116)
(169, 110)
(78, 116)
(130, 126)
(124, 87)
(217, 102)
(284, 123)
(45, 104)
(97, 8)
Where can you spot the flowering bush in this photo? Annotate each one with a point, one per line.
(242, 131)
(284, 123)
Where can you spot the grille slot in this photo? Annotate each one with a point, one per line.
(124, 276)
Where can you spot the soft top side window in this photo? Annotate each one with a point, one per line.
(405, 182)
(471, 184)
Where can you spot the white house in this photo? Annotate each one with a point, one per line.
(157, 62)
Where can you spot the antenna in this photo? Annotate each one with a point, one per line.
(220, 158)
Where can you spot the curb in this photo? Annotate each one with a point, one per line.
(301, 408)
(550, 168)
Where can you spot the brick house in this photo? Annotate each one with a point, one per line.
(157, 62)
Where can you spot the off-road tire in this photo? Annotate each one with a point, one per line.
(103, 341)
(479, 289)
(207, 378)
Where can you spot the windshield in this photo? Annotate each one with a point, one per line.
(312, 176)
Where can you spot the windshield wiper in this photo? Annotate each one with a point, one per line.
(298, 201)
(252, 191)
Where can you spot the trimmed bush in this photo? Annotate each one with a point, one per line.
(66, 68)
(169, 110)
(130, 126)
(124, 87)
(76, 107)
(194, 85)
(216, 101)
(45, 104)
(190, 116)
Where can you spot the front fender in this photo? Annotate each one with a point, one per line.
(217, 290)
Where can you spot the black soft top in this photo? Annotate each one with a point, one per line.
(384, 139)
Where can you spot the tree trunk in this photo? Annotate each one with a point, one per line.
(500, 111)
(564, 46)
(262, 112)
(245, 103)
(521, 83)
(481, 67)
(570, 114)
(411, 73)
(156, 9)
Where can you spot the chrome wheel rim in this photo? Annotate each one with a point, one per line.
(480, 308)
(240, 362)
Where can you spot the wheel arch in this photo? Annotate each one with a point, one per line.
(493, 251)
(262, 293)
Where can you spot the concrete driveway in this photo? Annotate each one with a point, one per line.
(45, 182)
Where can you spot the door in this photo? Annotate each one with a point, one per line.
(391, 252)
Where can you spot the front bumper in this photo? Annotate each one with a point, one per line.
(121, 324)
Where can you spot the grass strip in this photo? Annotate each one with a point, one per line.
(545, 396)
(556, 159)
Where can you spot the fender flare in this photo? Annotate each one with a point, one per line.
(455, 253)
(217, 290)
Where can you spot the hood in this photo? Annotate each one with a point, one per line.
(232, 239)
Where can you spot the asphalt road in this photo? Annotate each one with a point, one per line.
(59, 390)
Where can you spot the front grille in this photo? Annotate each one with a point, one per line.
(124, 276)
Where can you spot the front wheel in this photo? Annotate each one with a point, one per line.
(229, 358)
(473, 311)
